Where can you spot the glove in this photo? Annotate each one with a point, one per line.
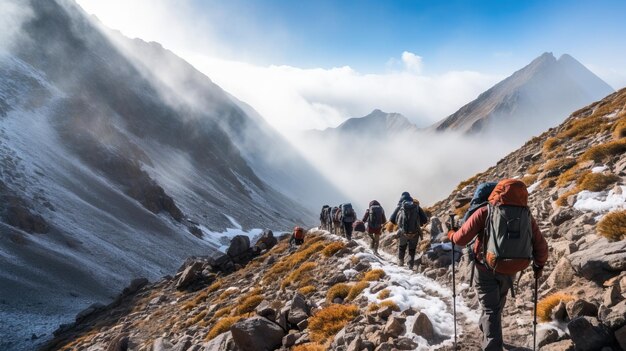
(450, 235)
(538, 270)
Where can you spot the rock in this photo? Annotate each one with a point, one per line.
(612, 295)
(222, 342)
(119, 343)
(575, 233)
(581, 308)
(423, 327)
(257, 333)
(94, 307)
(238, 249)
(562, 274)
(405, 344)
(337, 278)
(160, 344)
(303, 325)
(588, 334)
(189, 275)
(409, 312)
(547, 336)
(559, 313)
(378, 287)
(299, 310)
(362, 266)
(385, 312)
(616, 316)
(367, 345)
(385, 347)
(290, 339)
(562, 215)
(436, 228)
(394, 327)
(264, 309)
(355, 345)
(620, 336)
(135, 285)
(563, 248)
(221, 263)
(282, 318)
(563, 345)
(601, 261)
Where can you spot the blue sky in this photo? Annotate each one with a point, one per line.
(477, 35)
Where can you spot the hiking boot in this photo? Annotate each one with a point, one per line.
(400, 262)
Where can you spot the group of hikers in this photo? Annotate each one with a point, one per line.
(408, 216)
(502, 238)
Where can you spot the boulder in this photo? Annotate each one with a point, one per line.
(394, 327)
(423, 327)
(222, 342)
(562, 215)
(189, 275)
(563, 248)
(615, 317)
(580, 307)
(559, 313)
(221, 263)
(601, 261)
(562, 274)
(362, 266)
(337, 278)
(612, 295)
(299, 310)
(160, 344)
(355, 345)
(135, 285)
(238, 249)
(257, 333)
(588, 334)
(547, 336)
(290, 339)
(563, 345)
(119, 343)
(405, 344)
(385, 312)
(264, 309)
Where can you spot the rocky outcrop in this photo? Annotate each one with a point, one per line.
(256, 334)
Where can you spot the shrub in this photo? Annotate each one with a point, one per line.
(221, 326)
(330, 320)
(248, 304)
(311, 346)
(604, 151)
(613, 226)
(298, 274)
(383, 294)
(374, 274)
(356, 289)
(596, 181)
(548, 303)
(307, 290)
(340, 290)
(332, 248)
(568, 176)
(389, 303)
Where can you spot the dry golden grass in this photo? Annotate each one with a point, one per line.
(373, 307)
(221, 326)
(613, 226)
(467, 182)
(222, 312)
(390, 227)
(374, 274)
(200, 316)
(383, 294)
(460, 211)
(297, 275)
(550, 144)
(226, 294)
(248, 304)
(330, 320)
(309, 248)
(389, 303)
(596, 181)
(545, 305)
(604, 151)
(530, 179)
(311, 346)
(332, 248)
(581, 128)
(619, 128)
(307, 290)
(356, 289)
(533, 169)
(561, 164)
(562, 200)
(340, 290)
(569, 176)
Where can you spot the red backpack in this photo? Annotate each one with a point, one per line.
(298, 233)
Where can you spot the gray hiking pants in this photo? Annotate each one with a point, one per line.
(403, 243)
(375, 241)
(491, 289)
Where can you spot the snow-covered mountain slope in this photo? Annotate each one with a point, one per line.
(531, 100)
(107, 175)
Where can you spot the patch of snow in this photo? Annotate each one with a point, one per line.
(349, 273)
(228, 234)
(599, 169)
(602, 201)
(533, 186)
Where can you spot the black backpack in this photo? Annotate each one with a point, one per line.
(375, 220)
(333, 213)
(347, 213)
(408, 218)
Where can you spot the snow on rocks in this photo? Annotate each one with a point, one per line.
(602, 201)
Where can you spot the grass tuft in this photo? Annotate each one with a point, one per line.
(296, 276)
(613, 226)
(340, 290)
(374, 275)
(327, 322)
(311, 346)
(221, 326)
(389, 303)
(332, 248)
(356, 289)
(383, 294)
(307, 290)
(596, 181)
(605, 151)
(548, 303)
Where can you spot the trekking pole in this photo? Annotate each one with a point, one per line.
(453, 282)
(535, 317)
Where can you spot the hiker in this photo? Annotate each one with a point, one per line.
(324, 225)
(409, 217)
(348, 216)
(265, 242)
(504, 228)
(297, 237)
(375, 218)
(336, 218)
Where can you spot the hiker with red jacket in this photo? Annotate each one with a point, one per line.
(507, 240)
(297, 237)
(375, 218)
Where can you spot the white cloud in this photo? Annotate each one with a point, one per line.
(412, 62)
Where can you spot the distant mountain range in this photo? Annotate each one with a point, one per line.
(536, 97)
